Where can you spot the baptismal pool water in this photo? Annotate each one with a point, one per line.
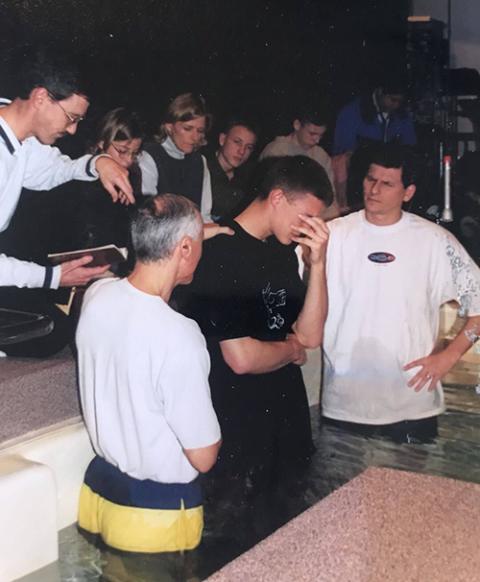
(232, 528)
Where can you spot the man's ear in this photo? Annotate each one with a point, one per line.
(185, 247)
(38, 96)
(221, 139)
(276, 196)
(409, 192)
(297, 125)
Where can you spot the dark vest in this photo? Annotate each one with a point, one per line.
(178, 176)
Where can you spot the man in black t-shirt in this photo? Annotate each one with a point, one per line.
(258, 319)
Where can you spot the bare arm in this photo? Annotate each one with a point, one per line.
(204, 458)
(435, 366)
(247, 355)
(311, 320)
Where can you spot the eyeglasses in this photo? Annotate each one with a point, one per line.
(126, 153)
(72, 119)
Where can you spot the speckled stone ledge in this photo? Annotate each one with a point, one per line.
(35, 394)
(383, 526)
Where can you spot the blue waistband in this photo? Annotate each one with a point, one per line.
(112, 484)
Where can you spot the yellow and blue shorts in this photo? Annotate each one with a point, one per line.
(140, 515)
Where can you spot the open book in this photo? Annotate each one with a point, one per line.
(106, 255)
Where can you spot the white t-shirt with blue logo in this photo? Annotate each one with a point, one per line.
(386, 285)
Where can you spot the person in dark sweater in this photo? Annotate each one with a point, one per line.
(229, 167)
(172, 163)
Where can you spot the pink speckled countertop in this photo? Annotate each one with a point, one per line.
(383, 526)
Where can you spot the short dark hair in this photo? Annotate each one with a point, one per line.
(296, 175)
(311, 114)
(394, 81)
(160, 223)
(403, 157)
(56, 73)
(239, 122)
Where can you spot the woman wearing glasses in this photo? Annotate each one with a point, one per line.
(120, 135)
(172, 163)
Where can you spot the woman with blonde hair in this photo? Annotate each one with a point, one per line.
(172, 163)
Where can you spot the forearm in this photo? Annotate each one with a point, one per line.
(465, 338)
(204, 458)
(52, 168)
(311, 321)
(250, 356)
(25, 274)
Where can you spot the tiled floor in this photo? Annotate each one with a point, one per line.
(233, 529)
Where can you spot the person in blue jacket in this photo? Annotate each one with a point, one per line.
(377, 117)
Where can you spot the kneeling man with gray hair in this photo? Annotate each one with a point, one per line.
(148, 414)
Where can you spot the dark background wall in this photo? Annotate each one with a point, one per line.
(246, 56)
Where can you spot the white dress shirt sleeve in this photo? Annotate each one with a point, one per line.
(46, 167)
(206, 203)
(149, 171)
(16, 273)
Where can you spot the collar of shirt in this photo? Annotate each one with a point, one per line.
(383, 117)
(6, 132)
(169, 146)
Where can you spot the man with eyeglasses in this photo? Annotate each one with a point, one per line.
(51, 100)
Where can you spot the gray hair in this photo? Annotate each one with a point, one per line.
(160, 223)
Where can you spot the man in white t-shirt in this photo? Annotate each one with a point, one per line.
(143, 374)
(388, 273)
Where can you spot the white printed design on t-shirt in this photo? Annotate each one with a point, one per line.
(272, 300)
(463, 279)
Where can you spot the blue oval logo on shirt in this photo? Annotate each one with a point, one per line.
(381, 257)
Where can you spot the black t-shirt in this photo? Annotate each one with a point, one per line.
(246, 287)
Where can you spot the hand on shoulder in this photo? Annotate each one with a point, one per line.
(212, 229)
